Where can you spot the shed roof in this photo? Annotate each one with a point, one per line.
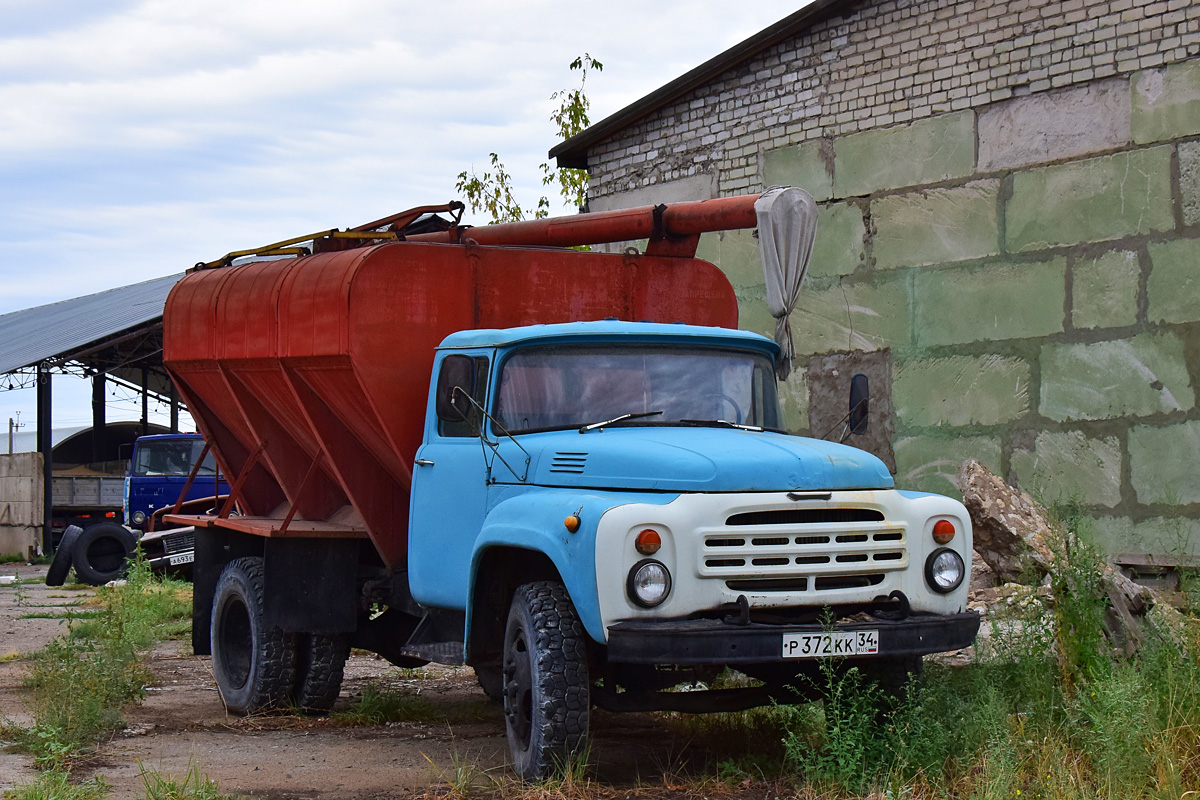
(69, 328)
(573, 152)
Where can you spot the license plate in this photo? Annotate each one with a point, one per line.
(830, 645)
(183, 558)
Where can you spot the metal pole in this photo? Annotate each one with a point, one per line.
(99, 422)
(174, 408)
(145, 404)
(45, 425)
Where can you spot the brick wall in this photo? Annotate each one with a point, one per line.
(1010, 208)
(888, 63)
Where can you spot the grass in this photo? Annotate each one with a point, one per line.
(55, 784)
(194, 785)
(81, 681)
(1046, 711)
(380, 704)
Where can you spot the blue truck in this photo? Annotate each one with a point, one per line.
(159, 473)
(96, 543)
(590, 512)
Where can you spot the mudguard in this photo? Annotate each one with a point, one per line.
(534, 520)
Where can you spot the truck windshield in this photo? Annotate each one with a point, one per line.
(171, 457)
(570, 387)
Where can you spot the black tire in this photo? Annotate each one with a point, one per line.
(102, 553)
(320, 664)
(60, 565)
(896, 675)
(491, 680)
(254, 667)
(546, 699)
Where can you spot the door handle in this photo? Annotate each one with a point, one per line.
(424, 462)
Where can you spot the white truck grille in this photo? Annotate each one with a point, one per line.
(803, 550)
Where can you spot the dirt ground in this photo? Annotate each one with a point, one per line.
(183, 722)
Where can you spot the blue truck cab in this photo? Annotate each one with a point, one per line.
(158, 472)
(617, 503)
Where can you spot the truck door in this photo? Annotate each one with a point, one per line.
(449, 492)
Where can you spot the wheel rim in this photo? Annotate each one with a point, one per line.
(235, 642)
(518, 688)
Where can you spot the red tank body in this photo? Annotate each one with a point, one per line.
(310, 375)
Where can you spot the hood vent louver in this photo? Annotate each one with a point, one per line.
(569, 462)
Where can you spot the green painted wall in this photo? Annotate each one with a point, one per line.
(1043, 318)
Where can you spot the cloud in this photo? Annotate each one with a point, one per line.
(139, 137)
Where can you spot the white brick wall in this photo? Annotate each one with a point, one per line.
(888, 63)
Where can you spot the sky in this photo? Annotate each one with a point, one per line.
(138, 138)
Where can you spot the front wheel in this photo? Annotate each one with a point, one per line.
(546, 700)
(254, 667)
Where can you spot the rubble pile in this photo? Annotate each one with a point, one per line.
(1015, 538)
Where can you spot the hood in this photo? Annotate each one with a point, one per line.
(699, 460)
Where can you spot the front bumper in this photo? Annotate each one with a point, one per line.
(710, 641)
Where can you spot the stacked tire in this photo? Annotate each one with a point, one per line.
(100, 553)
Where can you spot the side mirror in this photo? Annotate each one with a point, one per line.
(860, 404)
(456, 376)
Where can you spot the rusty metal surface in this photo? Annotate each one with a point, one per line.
(310, 376)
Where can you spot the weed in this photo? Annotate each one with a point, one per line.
(463, 776)
(79, 686)
(378, 705)
(194, 785)
(413, 674)
(56, 784)
(81, 681)
(832, 743)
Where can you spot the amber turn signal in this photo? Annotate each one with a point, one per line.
(648, 542)
(572, 523)
(943, 531)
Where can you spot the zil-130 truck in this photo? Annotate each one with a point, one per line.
(564, 468)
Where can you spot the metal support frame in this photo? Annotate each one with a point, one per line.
(45, 442)
(99, 423)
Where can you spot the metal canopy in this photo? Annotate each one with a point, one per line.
(114, 335)
(118, 331)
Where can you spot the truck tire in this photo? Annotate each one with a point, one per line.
(491, 680)
(60, 565)
(895, 676)
(254, 667)
(546, 700)
(320, 663)
(102, 553)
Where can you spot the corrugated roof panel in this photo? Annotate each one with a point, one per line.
(33, 335)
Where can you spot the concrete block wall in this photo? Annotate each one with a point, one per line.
(1041, 301)
(20, 502)
(1017, 225)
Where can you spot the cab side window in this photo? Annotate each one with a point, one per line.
(478, 391)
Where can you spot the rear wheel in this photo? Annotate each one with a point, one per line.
(320, 663)
(254, 667)
(546, 700)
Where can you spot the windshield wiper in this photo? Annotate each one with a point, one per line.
(597, 425)
(713, 423)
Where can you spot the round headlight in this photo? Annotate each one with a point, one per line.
(649, 583)
(945, 570)
(139, 517)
